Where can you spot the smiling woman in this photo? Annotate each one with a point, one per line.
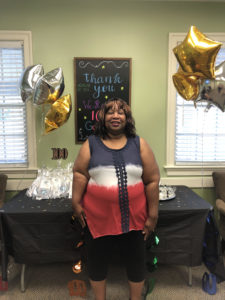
(115, 120)
(118, 112)
(115, 196)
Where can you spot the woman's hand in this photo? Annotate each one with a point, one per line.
(79, 214)
(150, 225)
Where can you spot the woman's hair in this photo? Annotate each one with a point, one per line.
(99, 127)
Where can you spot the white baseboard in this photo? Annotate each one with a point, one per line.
(192, 182)
(18, 184)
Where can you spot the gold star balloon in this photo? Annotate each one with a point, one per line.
(187, 85)
(58, 114)
(197, 54)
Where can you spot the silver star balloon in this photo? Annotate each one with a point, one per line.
(213, 90)
(49, 87)
(28, 81)
(220, 71)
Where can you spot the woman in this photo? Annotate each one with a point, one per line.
(115, 192)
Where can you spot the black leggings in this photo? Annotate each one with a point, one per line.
(132, 250)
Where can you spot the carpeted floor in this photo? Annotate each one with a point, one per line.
(57, 281)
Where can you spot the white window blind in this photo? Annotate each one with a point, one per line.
(200, 134)
(13, 133)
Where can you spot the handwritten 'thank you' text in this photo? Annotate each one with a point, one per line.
(102, 84)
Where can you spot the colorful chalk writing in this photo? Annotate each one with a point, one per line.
(96, 81)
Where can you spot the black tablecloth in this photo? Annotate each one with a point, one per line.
(181, 228)
(39, 231)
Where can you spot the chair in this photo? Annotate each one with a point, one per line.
(219, 182)
(3, 182)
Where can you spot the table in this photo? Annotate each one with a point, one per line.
(37, 231)
(180, 228)
(40, 231)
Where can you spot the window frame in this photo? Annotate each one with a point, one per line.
(22, 177)
(189, 174)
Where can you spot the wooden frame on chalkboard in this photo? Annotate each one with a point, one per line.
(96, 80)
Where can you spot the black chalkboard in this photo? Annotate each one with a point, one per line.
(96, 81)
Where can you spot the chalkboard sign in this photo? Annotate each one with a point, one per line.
(96, 81)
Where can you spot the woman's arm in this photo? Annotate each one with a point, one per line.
(151, 179)
(80, 180)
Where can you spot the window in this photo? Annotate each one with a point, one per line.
(17, 126)
(13, 134)
(195, 136)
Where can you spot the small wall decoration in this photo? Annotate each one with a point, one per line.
(96, 81)
(58, 153)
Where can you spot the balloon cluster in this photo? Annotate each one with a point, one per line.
(52, 183)
(197, 78)
(46, 89)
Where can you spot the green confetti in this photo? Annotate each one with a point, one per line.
(155, 260)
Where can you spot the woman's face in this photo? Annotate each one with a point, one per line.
(115, 120)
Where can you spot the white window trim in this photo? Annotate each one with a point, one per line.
(20, 178)
(192, 176)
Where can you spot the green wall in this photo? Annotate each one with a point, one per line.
(65, 29)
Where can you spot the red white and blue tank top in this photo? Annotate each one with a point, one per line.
(115, 201)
